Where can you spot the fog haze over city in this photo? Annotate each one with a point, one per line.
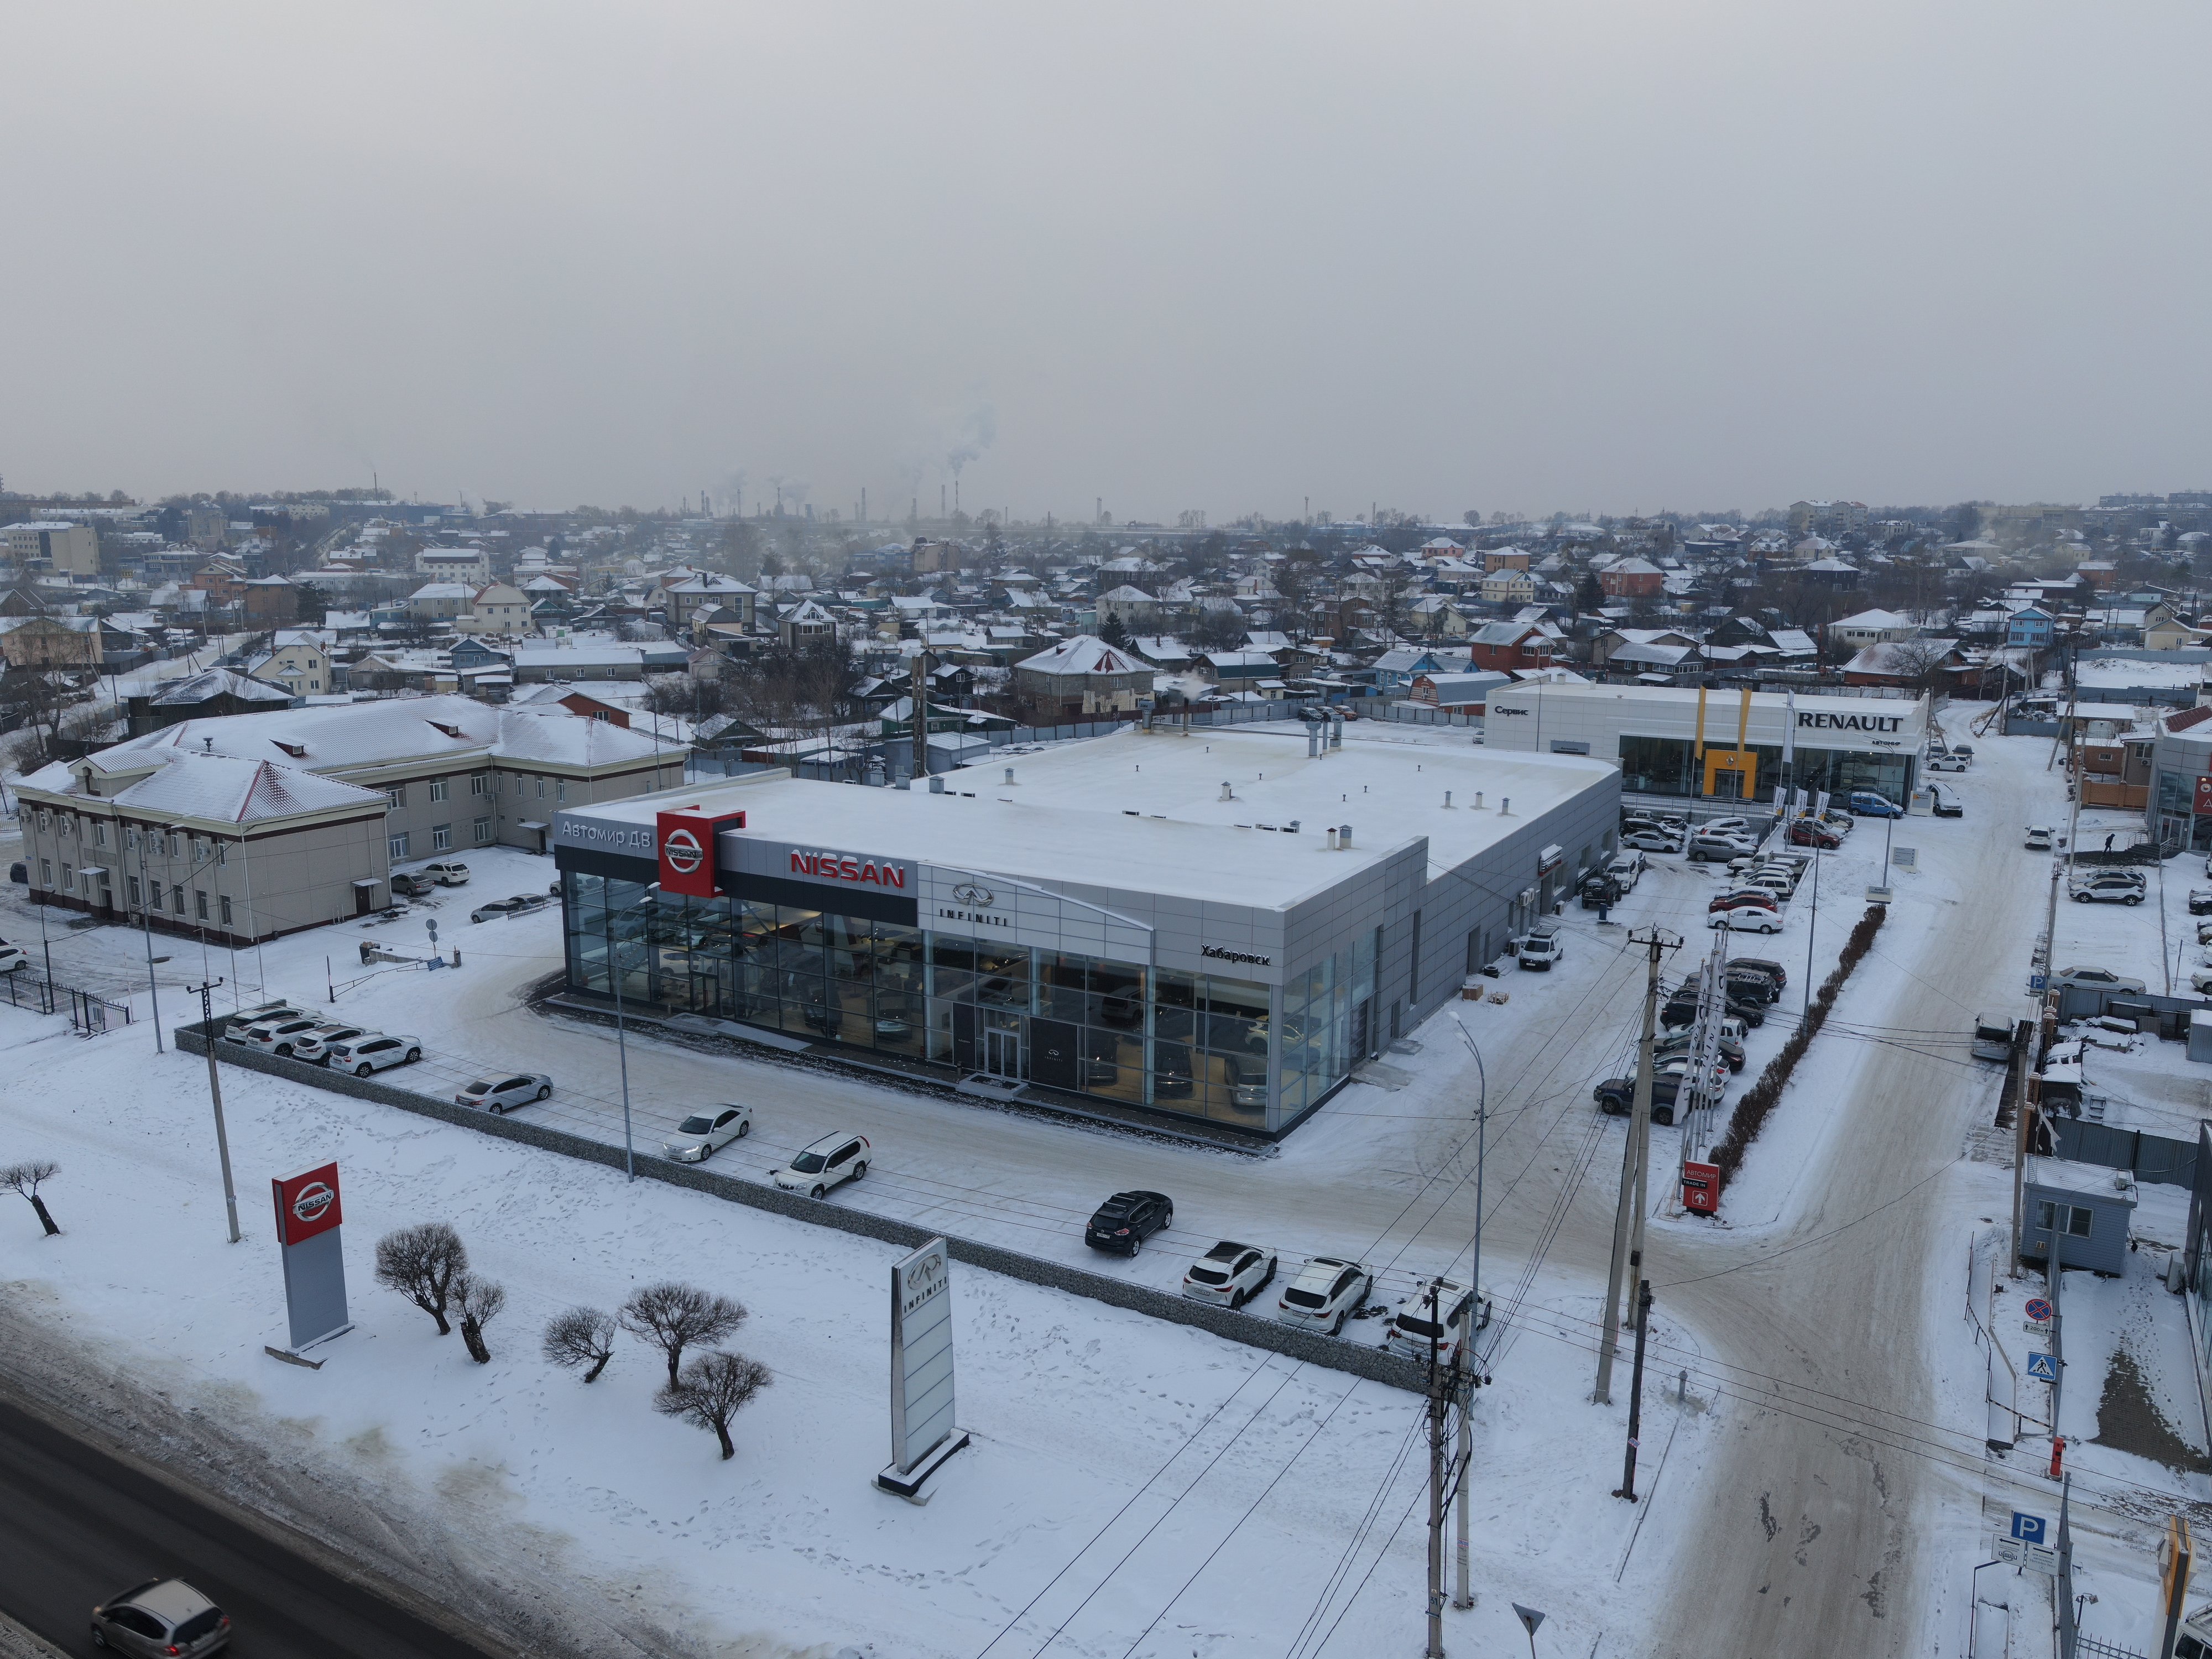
(1240, 259)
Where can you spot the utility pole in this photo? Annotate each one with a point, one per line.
(1628, 1215)
(1463, 1376)
(214, 1093)
(1436, 1648)
(1635, 1393)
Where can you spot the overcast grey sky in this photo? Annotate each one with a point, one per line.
(1574, 254)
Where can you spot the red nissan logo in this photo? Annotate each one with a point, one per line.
(313, 1200)
(683, 851)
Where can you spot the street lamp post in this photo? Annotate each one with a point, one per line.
(146, 922)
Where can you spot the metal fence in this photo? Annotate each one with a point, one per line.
(89, 1014)
(2158, 1159)
(1420, 713)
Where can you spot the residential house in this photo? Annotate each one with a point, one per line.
(1085, 676)
(1457, 694)
(436, 602)
(300, 660)
(804, 624)
(1625, 578)
(212, 693)
(1871, 628)
(2031, 628)
(1512, 585)
(497, 608)
(702, 590)
(1511, 646)
(1132, 607)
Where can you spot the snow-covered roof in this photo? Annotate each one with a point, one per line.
(1084, 654)
(328, 739)
(215, 683)
(215, 788)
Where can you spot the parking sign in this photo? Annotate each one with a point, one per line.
(2029, 1528)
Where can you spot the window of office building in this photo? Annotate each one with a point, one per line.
(200, 904)
(395, 795)
(226, 909)
(397, 846)
(176, 897)
(132, 882)
(479, 783)
(482, 828)
(439, 789)
(442, 837)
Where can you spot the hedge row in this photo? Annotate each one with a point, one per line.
(1758, 1102)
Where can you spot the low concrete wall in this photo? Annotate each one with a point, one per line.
(17, 1642)
(1249, 1329)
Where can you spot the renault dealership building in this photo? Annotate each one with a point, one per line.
(1216, 924)
(1735, 746)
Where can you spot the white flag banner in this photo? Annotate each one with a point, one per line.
(1820, 804)
(1797, 802)
(1789, 730)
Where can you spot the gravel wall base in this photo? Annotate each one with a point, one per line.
(1249, 1329)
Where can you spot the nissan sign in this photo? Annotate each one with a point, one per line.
(307, 1204)
(685, 842)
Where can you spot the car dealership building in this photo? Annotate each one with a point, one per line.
(1735, 746)
(1216, 924)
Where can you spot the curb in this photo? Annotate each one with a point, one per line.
(1372, 1364)
(16, 1642)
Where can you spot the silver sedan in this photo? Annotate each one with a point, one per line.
(503, 1090)
(706, 1132)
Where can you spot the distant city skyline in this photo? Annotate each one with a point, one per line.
(1223, 261)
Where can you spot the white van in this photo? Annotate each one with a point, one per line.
(1545, 945)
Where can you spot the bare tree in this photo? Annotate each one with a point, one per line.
(23, 1180)
(421, 1263)
(1921, 663)
(581, 1337)
(674, 1317)
(714, 1387)
(478, 1301)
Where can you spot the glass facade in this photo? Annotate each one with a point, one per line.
(1669, 766)
(1202, 1045)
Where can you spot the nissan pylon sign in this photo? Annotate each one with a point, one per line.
(309, 1215)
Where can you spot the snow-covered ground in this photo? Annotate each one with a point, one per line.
(1135, 1488)
(1826, 1470)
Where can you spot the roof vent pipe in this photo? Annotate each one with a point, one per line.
(1332, 838)
(1447, 800)
(936, 786)
(1010, 775)
(1343, 837)
(1226, 793)
(1505, 807)
(1478, 801)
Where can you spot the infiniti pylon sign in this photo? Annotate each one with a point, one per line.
(922, 1431)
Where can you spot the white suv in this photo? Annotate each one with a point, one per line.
(829, 1161)
(1327, 1291)
(1229, 1274)
(372, 1053)
(280, 1036)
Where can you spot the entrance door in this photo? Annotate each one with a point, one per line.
(1731, 775)
(1002, 1053)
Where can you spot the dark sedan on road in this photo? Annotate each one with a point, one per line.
(1126, 1220)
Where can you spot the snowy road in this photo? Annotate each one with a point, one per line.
(79, 1526)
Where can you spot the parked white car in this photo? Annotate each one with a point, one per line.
(12, 958)
(2038, 838)
(1652, 841)
(499, 1093)
(1747, 919)
(240, 1024)
(1948, 763)
(1327, 1291)
(451, 873)
(2094, 979)
(1230, 1273)
(374, 1053)
(315, 1047)
(703, 1133)
(280, 1036)
(1624, 868)
(829, 1161)
(1412, 1328)
(2201, 983)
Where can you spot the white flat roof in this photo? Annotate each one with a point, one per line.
(1067, 817)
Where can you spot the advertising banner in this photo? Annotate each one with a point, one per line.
(2202, 807)
(921, 1354)
(1701, 1187)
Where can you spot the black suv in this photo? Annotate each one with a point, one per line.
(1126, 1220)
(1616, 1095)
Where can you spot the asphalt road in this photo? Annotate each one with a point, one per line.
(77, 1526)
